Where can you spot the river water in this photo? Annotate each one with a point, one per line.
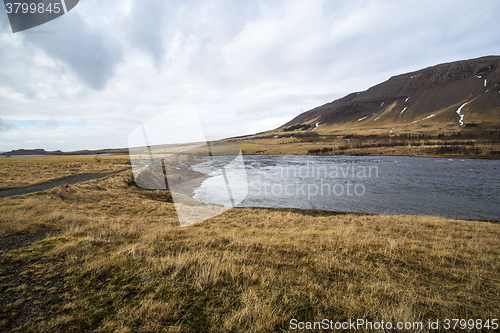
(453, 188)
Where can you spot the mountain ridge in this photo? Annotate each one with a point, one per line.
(420, 101)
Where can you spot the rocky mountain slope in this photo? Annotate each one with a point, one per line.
(444, 98)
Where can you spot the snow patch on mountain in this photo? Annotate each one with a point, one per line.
(461, 121)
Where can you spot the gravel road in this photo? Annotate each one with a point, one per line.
(56, 182)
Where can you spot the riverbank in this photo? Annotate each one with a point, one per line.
(104, 255)
(372, 145)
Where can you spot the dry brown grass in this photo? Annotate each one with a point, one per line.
(111, 257)
(23, 171)
(285, 146)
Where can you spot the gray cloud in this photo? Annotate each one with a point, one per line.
(249, 66)
(144, 28)
(4, 23)
(90, 52)
(51, 124)
(186, 31)
(5, 126)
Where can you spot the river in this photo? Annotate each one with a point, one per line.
(452, 188)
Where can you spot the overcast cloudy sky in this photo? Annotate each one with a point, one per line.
(88, 78)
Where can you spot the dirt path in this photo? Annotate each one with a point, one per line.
(56, 182)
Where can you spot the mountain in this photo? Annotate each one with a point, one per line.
(443, 98)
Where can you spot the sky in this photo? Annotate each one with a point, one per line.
(87, 79)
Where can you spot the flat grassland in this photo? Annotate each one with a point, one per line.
(23, 171)
(467, 145)
(106, 256)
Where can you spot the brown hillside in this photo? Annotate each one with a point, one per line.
(416, 102)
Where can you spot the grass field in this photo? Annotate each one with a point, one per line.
(24, 171)
(106, 256)
(468, 143)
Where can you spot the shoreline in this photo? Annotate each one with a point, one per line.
(375, 155)
(462, 146)
(325, 213)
